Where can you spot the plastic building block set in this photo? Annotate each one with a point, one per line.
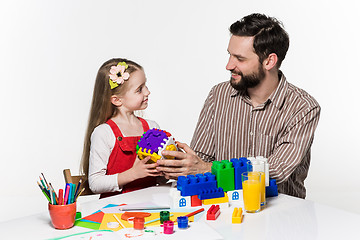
(219, 188)
(153, 142)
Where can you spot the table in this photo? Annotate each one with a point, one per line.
(284, 217)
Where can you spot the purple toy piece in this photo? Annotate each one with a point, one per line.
(153, 139)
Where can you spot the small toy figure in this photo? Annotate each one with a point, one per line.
(153, 142)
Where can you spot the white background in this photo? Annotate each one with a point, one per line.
(50, 52)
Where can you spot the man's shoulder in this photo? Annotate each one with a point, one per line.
(301, 96)
(222, 87)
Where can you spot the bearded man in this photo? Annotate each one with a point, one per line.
(257, 113)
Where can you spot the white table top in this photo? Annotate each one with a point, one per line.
(284, 217)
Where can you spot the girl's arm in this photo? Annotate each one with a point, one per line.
(102, 144)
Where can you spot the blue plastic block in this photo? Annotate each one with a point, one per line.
(194, 185)
(211, 193)
(240, 166)
(272, 189)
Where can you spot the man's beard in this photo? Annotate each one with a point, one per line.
(248, 81)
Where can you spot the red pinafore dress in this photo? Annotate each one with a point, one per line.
(122, 158)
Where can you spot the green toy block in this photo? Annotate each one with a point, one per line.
(224, 172)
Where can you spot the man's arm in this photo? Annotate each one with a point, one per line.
(291, 149)
(186, 163)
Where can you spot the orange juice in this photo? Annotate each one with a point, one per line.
(251, 194)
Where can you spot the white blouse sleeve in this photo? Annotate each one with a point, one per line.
(102, 144)
(152, 124)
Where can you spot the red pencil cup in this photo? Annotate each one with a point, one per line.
(62, 216)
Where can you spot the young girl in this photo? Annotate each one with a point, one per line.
(109, 158)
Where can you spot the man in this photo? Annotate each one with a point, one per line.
(256, 113)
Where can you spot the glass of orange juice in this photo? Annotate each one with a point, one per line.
(259, 166)
(251, 183)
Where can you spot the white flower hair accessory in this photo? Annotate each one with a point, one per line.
(118, 74)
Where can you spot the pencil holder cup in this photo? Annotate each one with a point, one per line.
(62, 216)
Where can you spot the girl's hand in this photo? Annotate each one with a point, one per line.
(140, 169)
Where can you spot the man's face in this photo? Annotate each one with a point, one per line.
(246, 70)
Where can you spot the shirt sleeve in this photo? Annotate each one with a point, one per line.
(102, 144)
(203, 139)
(152, 124)
(294, 145)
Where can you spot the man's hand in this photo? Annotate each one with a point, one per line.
(186, 162)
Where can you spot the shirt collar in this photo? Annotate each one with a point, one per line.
(277, 97)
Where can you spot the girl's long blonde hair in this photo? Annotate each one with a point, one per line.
(101, 107)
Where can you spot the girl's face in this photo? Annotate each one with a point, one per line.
(136, 95)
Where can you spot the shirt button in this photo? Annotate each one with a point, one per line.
(120, 138)
(251, 133)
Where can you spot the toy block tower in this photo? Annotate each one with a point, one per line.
(153, 142)
(224, 172)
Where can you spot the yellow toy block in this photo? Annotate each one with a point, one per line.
(212, 201)
(237, 215)
(143, 153)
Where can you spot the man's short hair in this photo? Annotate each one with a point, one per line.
(269, 35)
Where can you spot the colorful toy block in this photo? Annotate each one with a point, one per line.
(272, 189)
(224, 172)
(211, 193)
(224, 199)
(236, 197)
(237, 215)
(194, 185)
(179, 201)
(240, 166)
(195, 201)
(153, 142)
(213, 212)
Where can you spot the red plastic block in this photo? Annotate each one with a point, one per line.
(195, 201)
(213, 212)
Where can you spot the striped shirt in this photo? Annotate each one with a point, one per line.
(281, 129)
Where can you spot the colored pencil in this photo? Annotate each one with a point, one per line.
(53, 190)
(51, 197)
(42, 182)
(54, 197)
(45, 180)
(119, 221)
(77, 188)
(47, 197)
(79, 194)
(44, 190)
